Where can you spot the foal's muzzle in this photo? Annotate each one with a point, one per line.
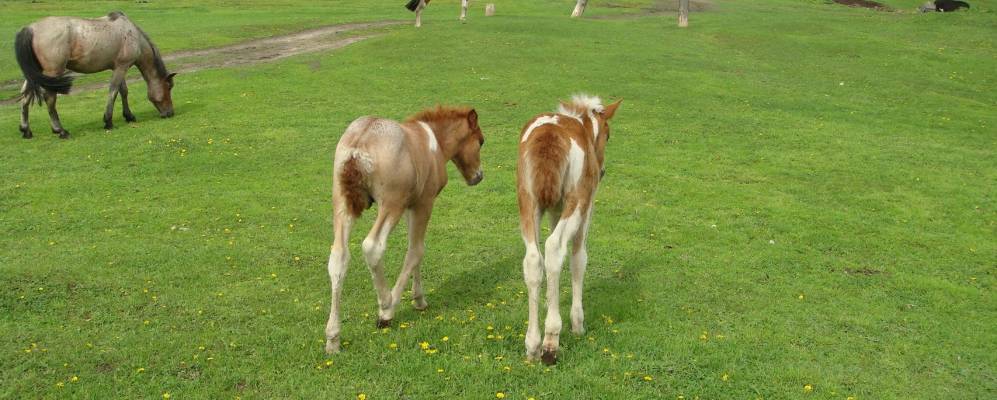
(476, 179)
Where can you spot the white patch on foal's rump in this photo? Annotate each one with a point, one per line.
(576, 160)
(542, 120)
(431, 137)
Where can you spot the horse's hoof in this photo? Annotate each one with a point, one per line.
(549, 357)
(26, 133)
(64, 134)
(332, 346)
(383, 323)
(420, 305)
(130, 118)
(108, 126)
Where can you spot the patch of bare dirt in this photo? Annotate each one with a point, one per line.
(656, 8)
(863, 3)
(250, 52)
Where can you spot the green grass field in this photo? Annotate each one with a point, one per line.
(800, 202)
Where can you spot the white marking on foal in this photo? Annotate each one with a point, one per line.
(576, 160)
(542, 120)
(595, 126)
(431, 137)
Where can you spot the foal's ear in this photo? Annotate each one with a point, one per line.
(611, 109)
(472, 118)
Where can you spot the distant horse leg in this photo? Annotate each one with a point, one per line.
(417, 222)
(533, 276)
(418, 13)
(554, 251)
(112, 94)
(50, 98)
(125, 110)
(25, 108)
(339, 259)
(579, 260)
(373, 250)
(463, 10)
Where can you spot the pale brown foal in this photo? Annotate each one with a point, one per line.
(401, 167)
(561, 160)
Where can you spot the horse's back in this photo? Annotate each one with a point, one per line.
(86, 45)
(383, 144)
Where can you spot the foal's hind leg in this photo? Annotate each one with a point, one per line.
(554, 252)
(579, 261)
(339, 259)
(50, 98)
(532, 275)
(373, 250)
(125, 110)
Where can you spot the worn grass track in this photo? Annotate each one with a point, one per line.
(799, 195)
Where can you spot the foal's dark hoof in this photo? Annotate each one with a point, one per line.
(108, 125)
(549, 357)
(63, 134)
(383, 323)
(130, 118)
(26, 133)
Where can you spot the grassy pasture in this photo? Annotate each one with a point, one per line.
(800, 203)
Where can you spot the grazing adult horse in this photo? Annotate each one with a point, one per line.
(50, 47)
(561, 161)
(401, 167)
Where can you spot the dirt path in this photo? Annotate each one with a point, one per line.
(250, 52)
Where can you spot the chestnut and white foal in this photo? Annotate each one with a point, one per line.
(401, 167)
(561, 160)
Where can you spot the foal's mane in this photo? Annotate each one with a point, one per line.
(581, 105)
(440, 114)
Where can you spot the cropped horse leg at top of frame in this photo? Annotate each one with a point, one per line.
(46, 55)
(561, 162)
(401, 166)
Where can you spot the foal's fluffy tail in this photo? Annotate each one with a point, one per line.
(36, 81)
(351, 183)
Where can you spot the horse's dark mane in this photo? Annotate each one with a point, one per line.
(157, 59)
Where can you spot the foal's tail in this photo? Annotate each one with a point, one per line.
(36, 81)
(351, 184)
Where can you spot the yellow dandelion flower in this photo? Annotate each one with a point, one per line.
(431, 351)
(800, 297)
(499, 395)
(507, 368)
(648, 378)
(328, 363)
(439, 370)
(140, 370)
(393, 346)
(489, 327)
(446, 338)
(361, 396)
(808, 388)
(850, 398)
(166, 395)
(74, 379)
(424, 345)
(725, 377)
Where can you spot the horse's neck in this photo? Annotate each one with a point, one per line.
(146, 61)
(441, 130)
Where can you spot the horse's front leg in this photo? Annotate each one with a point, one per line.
(50, 98)
(418, 220)
(125, 110)
(117, 78)
(25, 108)
(339, 259)
(374, 246)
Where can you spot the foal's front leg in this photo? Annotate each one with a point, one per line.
(117, 78)
(417, 222)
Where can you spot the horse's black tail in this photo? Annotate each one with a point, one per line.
(32, 70)
(412, 5)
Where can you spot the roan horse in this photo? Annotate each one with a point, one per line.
(50, 47)
(561, 161)
(401, 167)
